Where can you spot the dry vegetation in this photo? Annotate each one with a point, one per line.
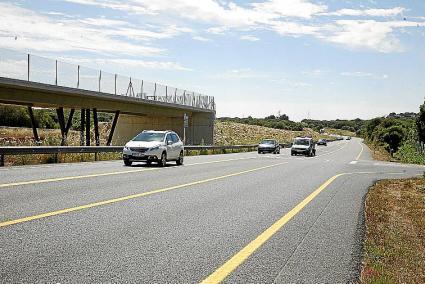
(339, 132)
(379, 153)
(232, 133)
(19, 136)
(395, 232)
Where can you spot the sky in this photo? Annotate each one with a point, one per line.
(305, 58)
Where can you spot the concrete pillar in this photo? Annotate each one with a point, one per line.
(129, 126)
(201, 129)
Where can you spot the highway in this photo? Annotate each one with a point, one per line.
(236, 218)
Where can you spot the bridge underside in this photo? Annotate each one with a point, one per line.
(135, 114)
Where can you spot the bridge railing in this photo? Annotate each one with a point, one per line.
(33, 68)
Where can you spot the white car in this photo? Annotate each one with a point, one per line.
(154, 146)
(304, 146)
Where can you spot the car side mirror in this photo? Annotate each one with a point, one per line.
(169, 142)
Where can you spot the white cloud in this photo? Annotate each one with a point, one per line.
(200, 38)
(369, 12)
(249, 38)
(290, 8)
(361, 74)
(368, 34)
(226, 14)
(294, 29)
(293, 18)
(217, 30)
(49, 34)
(357, 74)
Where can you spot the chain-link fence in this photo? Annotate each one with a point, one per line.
(16, 65)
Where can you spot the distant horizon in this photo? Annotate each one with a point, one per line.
(221, 117)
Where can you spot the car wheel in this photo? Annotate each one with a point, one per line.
(148, 162)
(127, 162)
(163, 161)
(179, 162)
(259, 152)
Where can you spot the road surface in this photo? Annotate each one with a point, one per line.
(236, 218)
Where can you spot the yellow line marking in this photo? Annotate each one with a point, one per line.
(124, 198)
(361, 152)
(107, 174)
(229, 266)
(235, 261)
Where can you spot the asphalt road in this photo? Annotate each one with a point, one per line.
(244, 218)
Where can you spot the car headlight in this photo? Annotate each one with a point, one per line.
(154, 148)
(126, 148)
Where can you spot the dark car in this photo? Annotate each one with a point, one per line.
(323, 142)
(269, 146)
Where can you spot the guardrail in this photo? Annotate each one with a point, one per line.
(29, 150)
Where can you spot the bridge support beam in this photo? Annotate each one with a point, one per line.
(82, 125)
(88, 126)
(34, 125)
(64, 127)
(114, 124)
(96, 127)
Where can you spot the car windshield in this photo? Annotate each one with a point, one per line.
(304, 142)
(267, 142)
(149, 137)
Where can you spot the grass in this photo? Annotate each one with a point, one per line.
(340, 132)
(378, 152)
(232, 133)
(394, 248)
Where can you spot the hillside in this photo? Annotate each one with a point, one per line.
(232, 133)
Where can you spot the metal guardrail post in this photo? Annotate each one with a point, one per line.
(1, 160)
(100, 78)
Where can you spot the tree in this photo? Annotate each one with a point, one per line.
(420, 123)
(283, 117)
(393, 136)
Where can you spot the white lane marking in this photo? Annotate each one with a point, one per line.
(353, 162)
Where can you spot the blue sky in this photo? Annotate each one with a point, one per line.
(306, 58)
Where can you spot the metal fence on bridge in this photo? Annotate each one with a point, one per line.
(28, 67)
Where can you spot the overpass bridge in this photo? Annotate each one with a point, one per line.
(35, 81)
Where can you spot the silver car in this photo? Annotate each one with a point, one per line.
(154, 146)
